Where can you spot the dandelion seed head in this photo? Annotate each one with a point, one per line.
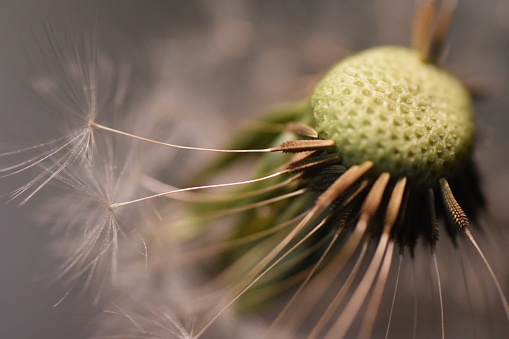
(321, 243)
(389, 106)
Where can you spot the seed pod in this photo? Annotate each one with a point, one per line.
(387, 105)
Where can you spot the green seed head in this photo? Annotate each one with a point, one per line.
(389, 106)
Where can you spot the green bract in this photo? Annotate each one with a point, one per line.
(389, 106)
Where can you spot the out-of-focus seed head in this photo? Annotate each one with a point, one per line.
(389, 106)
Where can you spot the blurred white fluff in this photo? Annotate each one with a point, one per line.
(82, 83)
(78, 83)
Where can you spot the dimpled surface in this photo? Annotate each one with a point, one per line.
(388, 106)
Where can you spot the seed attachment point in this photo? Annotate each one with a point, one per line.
(296, 146)
(453, 208)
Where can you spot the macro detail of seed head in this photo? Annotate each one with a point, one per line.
(351, 209)
(389, 106)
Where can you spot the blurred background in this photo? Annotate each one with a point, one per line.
(221, 61)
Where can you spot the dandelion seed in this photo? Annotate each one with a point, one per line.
(69, 84)
(89, 228)
(80, 83)
(375, 161)
(394, 140)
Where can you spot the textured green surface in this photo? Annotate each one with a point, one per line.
(407, 116)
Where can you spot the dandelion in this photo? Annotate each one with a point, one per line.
(325, 239)
(370, 177)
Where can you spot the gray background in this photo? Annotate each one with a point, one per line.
(480, 46)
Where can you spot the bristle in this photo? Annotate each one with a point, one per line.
(454, 210)
(312, 162)
(431, 28)
(137, 137)
(324, 200)
(433, 234)
(188, 189)
(423, 25)
(396, 285)
(302, 130)
(437, 47)
(295, 146)
(368, 209)
(391, 215)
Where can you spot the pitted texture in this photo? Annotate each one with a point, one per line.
(388, 106)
